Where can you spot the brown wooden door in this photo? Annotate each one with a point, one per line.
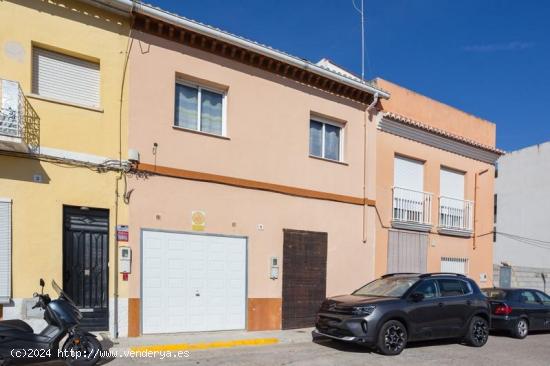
(304, 277)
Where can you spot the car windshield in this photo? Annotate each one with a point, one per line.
(387, 287)
(494, 294)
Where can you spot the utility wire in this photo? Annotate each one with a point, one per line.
(528, 241)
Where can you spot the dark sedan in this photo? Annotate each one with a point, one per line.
(518, 310)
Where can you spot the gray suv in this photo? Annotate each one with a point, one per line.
(402, 307)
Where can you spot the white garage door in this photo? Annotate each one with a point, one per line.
(193, 282)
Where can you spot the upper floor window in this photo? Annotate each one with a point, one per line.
(325, 139)
(65, 78)
(408, 174)
(200, 109)
(451, 184)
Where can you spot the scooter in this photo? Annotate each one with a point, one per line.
(19, 344)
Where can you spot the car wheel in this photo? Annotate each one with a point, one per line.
(392, 338)
(478, 332)
(521, 329)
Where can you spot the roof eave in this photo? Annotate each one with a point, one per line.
(129, 6)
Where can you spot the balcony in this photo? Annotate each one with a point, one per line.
(19, 123)
(455, 216)
(411, 209)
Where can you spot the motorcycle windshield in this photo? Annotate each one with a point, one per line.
(60, 292)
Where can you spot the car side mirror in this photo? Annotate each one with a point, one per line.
(417, 297)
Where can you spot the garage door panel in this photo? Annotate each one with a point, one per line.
(197, 282)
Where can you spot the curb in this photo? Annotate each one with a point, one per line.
(206, 345)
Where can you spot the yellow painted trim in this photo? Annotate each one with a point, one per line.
(206, 345)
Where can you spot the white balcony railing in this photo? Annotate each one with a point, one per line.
(19, 122)
(412, 207)
(455, 214)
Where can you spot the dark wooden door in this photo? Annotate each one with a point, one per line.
(85, 264)
(304, 277)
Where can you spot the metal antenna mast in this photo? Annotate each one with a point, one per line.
(362, 12)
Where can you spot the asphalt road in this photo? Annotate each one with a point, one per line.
(500, 350)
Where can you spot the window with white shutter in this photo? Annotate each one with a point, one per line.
(454, 265)
(452, 184)
(5, 251)
(408, 174)
(65, 78)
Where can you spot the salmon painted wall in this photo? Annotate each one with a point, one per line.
(438, 245)
(267, 120)
(415, 106)
(436, 114)
(268, 141)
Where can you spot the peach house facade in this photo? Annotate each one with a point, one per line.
(263, 183)
(434, 190)
(253, 198)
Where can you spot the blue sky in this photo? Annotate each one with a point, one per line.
(490, 58)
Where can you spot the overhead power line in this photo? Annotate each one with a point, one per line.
(525, 240)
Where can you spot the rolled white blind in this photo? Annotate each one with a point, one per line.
(65, 78)
(5, 251)
(452, 184)
(408, 173)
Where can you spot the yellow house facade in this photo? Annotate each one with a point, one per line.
(62, 157)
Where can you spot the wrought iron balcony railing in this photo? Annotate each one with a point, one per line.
(19, 122)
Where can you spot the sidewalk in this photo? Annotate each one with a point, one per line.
(208, 340)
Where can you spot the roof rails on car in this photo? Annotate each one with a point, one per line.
(399, 273)
(423, 275)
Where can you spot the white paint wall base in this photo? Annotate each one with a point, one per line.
(21, 309)
(122, 317)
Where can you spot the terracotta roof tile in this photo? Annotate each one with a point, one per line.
(438, 131)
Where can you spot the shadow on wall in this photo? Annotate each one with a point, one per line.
(77, 12)
(26, 170)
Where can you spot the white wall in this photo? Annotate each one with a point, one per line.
(523, 204)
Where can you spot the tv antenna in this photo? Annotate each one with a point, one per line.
(362, 13)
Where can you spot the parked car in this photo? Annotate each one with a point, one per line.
(518, 310)
(398, 308)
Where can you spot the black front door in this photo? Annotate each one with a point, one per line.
(85, 263)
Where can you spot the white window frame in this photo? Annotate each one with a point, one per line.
(324, 122)
(199, 88)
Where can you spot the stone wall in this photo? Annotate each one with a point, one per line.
(528, 277)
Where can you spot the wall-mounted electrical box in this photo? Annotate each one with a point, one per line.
(124, 259)
(483, 277)
(274, 268)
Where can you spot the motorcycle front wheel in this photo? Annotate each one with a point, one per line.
(82, 351)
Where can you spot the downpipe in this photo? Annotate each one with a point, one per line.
(367, 113)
